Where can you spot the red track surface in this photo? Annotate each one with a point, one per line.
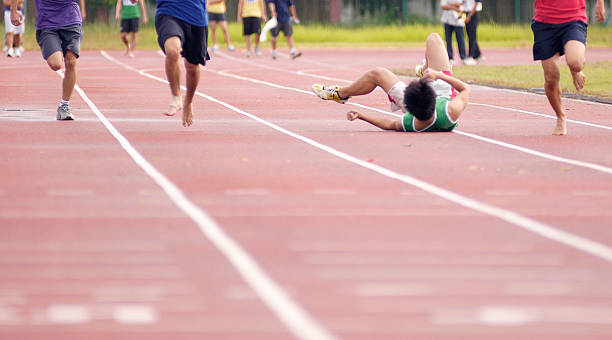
(92, 248)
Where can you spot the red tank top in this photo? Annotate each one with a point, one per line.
(560, 11)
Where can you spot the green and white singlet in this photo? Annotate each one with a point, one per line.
(130, 10)
(442, 121)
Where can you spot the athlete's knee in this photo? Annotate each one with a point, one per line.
(173, 51)
(377, 73)
(575, 65)
(433, 37)
(55, 61)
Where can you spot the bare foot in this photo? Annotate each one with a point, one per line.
(175, 106)
(187, 115)
(579, 80)
(560, 128)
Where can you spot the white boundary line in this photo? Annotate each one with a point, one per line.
(551, 157)
(302, 325)
(314, 75)
(586, 245)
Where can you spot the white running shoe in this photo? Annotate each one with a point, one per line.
(215, 48)
(274, 55)
(231, 48)
(64, 112)
(249, 54)
(11, 52)
(294, 54)
(469, 61)
(17, 53)
(329, 93)
(257, 51)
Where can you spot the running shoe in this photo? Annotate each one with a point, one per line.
(17, 53)
(215, 48)
(257, 51)
(273, 54)
(10, 53)
(418, 69)
(231, 48)
(249, 53)
(294, 54)
(64, 112)
(329, 93)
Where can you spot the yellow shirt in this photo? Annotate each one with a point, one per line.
(218, 8)
(250, 8)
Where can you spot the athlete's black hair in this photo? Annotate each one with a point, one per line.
(420, 99)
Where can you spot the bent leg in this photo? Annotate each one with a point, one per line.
(70, 61)
(379, 76)
(172, 46)
(553, 92)
(435, 55)
(56, 61)
(192, 78)
(575, 57)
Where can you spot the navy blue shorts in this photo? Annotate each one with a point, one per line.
(194, 39)
(217, 17)
(549, 39)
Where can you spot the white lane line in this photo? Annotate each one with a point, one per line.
(588, 246)
(297, 320)
(548, 156)
(135, 314)
(543, 115)
(69, 314)
(246, 192)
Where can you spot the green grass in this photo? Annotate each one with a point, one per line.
(98, 36)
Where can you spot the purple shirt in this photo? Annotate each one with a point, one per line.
(57, 13)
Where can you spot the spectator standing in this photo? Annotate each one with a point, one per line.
(216, 16)
(284, 12)
(250, 13)
(472, 10)
(453, 18)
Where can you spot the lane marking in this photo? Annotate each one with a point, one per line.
(548, 156)
(297, 320)
(135, 314)
(69, 314)
(246, 192)
(586, 245)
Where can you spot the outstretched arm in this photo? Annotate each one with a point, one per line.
(383, 123)
(457, 104)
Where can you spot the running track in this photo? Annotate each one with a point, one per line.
(273, 217)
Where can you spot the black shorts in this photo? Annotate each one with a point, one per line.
(282, 26)
(129, 25)
(549, 39)
(216, 17)
(62, 39)
(251, 25)
(193, 38)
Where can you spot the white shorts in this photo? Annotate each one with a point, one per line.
(9, 27)
(396, 96)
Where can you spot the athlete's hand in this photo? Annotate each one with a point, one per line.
(600, 11)
(430, 75)
(352, 115)
(16, 18)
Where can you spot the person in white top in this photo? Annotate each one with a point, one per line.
(453, 18)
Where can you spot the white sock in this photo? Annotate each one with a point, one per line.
(64, 102)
